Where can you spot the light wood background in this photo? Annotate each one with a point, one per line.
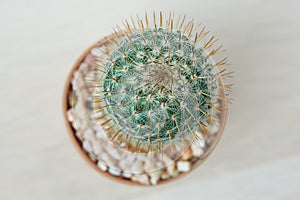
(258, 156)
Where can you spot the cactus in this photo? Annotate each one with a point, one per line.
(158, 84)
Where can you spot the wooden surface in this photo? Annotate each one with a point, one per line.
(258, 156)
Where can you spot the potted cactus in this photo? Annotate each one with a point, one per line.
(148, 102)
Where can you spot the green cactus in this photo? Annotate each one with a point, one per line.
(158, 84)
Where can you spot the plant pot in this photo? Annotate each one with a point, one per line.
(106, 157)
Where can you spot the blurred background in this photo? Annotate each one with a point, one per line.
(258, 156)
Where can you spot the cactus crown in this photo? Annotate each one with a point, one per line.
(157, 84)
